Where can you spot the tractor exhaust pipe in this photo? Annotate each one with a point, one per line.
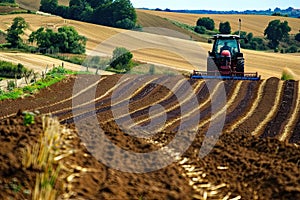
(240, 26)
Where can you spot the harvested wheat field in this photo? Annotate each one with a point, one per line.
(254, 154)
(250, 23)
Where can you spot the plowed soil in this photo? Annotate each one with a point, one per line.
(250, 159)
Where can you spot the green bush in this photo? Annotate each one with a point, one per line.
(10, 70)
(292, 49)
(11, 85)
(200, 29)
(122, 59)
(28, 118)
(206, 22)
(287, 75)
(225, 28)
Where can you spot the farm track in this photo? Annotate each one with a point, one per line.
(265, 112)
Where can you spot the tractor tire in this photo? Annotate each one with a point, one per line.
(240, 66)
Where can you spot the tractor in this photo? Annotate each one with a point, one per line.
(225, 61)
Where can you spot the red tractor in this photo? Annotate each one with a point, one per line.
(225, 61)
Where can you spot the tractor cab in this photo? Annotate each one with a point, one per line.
(226, 63)
(226, 42)
(225, 60)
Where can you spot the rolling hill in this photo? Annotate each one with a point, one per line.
(250, 23)
(182, 54)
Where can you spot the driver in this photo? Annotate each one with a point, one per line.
(225, 47)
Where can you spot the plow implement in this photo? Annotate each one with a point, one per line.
(232, 76)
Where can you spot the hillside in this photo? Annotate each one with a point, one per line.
(151, 24)
(35, 5)
(250, 23)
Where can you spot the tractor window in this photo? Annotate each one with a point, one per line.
(229, 44)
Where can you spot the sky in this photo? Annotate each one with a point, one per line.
(221, 5)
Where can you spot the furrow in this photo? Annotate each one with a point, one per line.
(81, 114)
(199, 85)
(274, 127)
(247, 95)
(48, 106)
(288, 129)
(105, 101)
(204, 108)
(170, 93)
(232, 99)
(74, 96)
(91, 101)
(252, 109)
(177, 96)
(272, 112)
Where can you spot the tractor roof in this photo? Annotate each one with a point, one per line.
(226, 36)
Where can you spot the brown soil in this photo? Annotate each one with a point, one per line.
(247, 166)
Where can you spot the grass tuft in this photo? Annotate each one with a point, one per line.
(287, 74)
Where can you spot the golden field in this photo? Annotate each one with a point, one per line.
(250, 23)
(182, 54)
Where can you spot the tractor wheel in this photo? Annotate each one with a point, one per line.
(240, 66)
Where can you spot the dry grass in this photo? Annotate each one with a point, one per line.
(42, 157)
(288, 74)
(250, 23)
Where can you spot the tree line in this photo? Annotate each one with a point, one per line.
(65, 40)
(276, 32)
(8, 1)
(114, 13)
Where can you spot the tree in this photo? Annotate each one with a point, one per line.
(96, 3)
(276, 31)
(15, 31)
(249, 36)
(297, 37)
(44, 38)
(66, 40)
(119, 13)
(121, 59)
(124, 15)
(72, 41)
(225, 28)
(80, 10)
(48, 6)
(206, 22)
(7, 1)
